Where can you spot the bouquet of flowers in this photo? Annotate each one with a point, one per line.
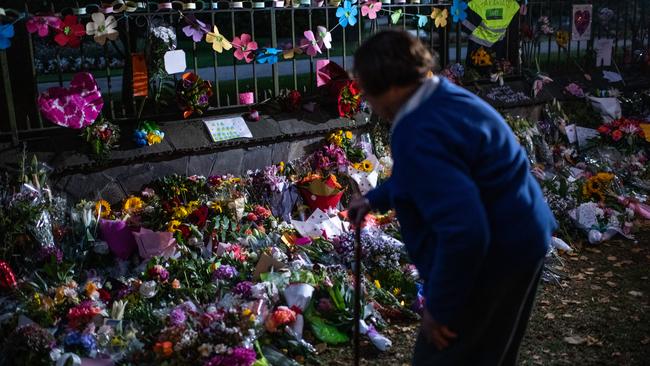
(102, 137)
(624, 133)
(148, 134)
(321, 192)
(193, 94)
(349, 99)
(345, 140)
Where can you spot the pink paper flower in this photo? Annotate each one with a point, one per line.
(75, 107)
(43, 24)
(370, 9)
(310, 43)
(244, 47)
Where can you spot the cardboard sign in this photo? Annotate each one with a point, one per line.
(581, 22)
(265, 264)
(175, 62)
(580, 134)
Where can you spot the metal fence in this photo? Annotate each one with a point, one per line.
(33, 64)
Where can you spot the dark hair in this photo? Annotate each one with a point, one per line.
(391, 58)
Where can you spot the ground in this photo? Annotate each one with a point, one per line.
(598, 315)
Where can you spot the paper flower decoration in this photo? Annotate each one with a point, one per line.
(439, 17)
(370, 9)
(75, 107)
(347, 14)
(290, 52)
(395, 17)
(244, 47)
(310, 44)
(102, 28)
(193, 94)
(324, 37)
(195, 28)
(42, 25)
(459, 11)
(70, 32)
(268, 55)
(219, 42)
(6, 33)
(562, 38)
(422, 21)
(481, 57)
(148, 134)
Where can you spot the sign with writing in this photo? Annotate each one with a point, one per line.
(581, 27)
(227, 128)
(505, 94)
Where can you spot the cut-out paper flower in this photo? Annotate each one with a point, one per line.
(42, 24)
(347, 14)
(562, 38)
(6, 33)
(70, 32)
(395, 17)
(290, 52)
(75, 107)
(310, 44)
(422, 21)
(244, 47)
(439, 17)
(219, 42)
(324, 37)
(102, 28)
(195, 28)
(370, 9)
(268, 55)
(459, 11)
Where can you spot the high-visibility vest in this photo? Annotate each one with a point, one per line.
(488, 20)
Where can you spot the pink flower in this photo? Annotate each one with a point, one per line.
(575, 90)
(43, 24)
(370, 9)
(244, 47)
(310, 43)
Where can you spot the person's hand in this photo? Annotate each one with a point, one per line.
(359, 208)
(436, 333)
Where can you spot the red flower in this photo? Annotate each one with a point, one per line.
(262, 212)
(104, 295)
(293, 101)
(185, 231)
(199, 216)
(7, 277)
(251, 217)
(604, 130)
(617, 135)
(70, 32)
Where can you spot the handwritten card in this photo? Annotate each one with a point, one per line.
(227, 129)
(505, 94)
(580, 134)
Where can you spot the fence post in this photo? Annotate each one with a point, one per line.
(9, 97)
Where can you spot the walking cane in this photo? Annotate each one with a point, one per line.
(357, 293)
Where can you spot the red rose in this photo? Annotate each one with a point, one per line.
(293, 100)
(604, 130)
(104, 295)
(617, 135)
(199, 216)
(185, 231)
(251, 217)
(7, 277)
(618, 122)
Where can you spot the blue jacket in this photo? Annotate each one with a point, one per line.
(464, 196)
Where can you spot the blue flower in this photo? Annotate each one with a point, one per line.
(268, 55)
(6, 33)
(422, 20)
(458, 10)
(72, 339)
(347, 14)
(88, 342)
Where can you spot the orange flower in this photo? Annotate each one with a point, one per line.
(176, 284)
(164, 349)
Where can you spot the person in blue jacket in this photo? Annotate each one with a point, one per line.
(472, 216)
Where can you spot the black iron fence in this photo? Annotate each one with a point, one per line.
(147, 29)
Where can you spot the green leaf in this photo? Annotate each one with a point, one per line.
(395, 17)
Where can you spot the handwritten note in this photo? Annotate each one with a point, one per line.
(227, 128)
(580, 134)
(505, 94)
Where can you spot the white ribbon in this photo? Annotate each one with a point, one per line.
(63, 360)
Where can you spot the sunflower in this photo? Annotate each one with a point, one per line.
(173, 226)
(367, 166)
(180, 212)
(132, 204)
(217, 207)
(102, 209)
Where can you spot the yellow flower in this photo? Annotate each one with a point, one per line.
(439, 17)
(213, 267)
(481, 57)
(605, 176)
(281, 166)
(339, 133)
(173, 226)
(397, 291)
(377, 284)
(348, 135)
(132, 204)
(217, 207)
(180, 213)
(102, 209)
(246, 312)
(153, 138)
(562, 38)
(366, 166)
(59, 297)
(37, 299)
(219, 42)
(91, 287)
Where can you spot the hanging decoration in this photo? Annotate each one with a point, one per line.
(370, 9)
(42, 25)
(581, 25)
(439, 17)
(195, 28)
(219, 42)
(458, 11)
(6, 34)
(102, 28)
(70, 32)
(244, 47)
(347, 14)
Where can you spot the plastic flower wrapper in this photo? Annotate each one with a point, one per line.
(382, 343)
(365, 173)
(600, 224)
(325, 331)
(118, 236)
(155, 243)
(298, 296)
(320, 192)
(319, 224)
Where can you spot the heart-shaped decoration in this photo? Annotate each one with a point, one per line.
(582, 19)
(75, 107)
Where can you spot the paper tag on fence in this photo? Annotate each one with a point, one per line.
(227, 129)
(580, 134)
(175, 62)
(603, 48)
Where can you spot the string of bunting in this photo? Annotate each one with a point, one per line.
(68, 31)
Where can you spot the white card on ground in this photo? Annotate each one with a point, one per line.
(223, 129)
(612, 77)
(175, 62)
(580, 134)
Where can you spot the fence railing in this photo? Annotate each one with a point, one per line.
(33, 64)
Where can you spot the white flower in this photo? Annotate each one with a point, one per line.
(148, 289)
(325, 37)
(205, 349)
(102, 28)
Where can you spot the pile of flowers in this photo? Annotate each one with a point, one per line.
(148, 133)
(624, 133)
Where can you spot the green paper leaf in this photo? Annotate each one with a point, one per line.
(396, 16)
(422, 21)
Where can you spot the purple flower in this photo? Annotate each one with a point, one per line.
(46, 254)
(159, 273)
(243, 289)
(177, 316)
(195, 28)
(239, 356)
(203, 99)
(225, 272)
